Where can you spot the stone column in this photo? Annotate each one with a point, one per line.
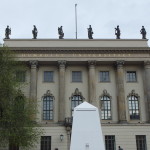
(121, 92)
(33, 79)
(92, 83)
(147, 83)
(61, 115)
(33, 86)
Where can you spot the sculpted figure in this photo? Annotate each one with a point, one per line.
(117, 32)
(7, 32)
(143, 32)
(119, 148)
(60, 32)
(90, 32)
(34, 32)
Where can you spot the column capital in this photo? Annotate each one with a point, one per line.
(62, 63)
(147, 63)
(33, 63)
(91, 62)
(120, 63)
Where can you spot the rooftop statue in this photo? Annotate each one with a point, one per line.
(7, 32)
(60, 32)
(143, 32)
(117, 32)
(34, 32)
(90, 32)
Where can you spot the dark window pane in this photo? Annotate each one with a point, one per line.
(104, 76)
(141, 142)
(110, 142)
(75, 101)
(76, 76)
(48, 108)
(46, 143)
(131, 76)
(134, 107)
(105, 108)
(20, 76)
(48, 76)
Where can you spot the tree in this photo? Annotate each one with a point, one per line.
(17, 127)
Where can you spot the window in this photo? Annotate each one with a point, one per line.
(104, 76)
(110, 142)
(105, 106)
(48, 76)
(141, 142)
(133, 105)
(45, 142)
(76, 99)
(76, 76)
(48, 106)
(131, 76)
(20, 76)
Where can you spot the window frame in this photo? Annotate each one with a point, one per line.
(108, 103)
(77, 101)
(47, 143)
(48, 113)
(139, 140)
(21, 78)
(133, 105)
(75, 79)
(48, 81)
(101, 76)
(129, 76)
(111, 141)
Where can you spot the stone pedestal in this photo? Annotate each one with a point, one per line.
(147, 83)
(61, 103)
(121, 92)
(92, 83)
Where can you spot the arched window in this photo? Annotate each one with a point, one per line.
(76, 99)
(105, 100)
(133, 103)
(48, 99)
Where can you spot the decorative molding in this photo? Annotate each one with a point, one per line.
(105, 93)
(62, 63)
(48, 93)
(91, 62)
(33, 63)
(77, 93)
(120, 63)
(133, 94)
(147, 63)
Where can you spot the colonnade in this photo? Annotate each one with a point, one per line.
(92, 87)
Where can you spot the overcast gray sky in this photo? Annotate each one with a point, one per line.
(48, 15)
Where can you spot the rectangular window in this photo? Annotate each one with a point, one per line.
(141, 142)
(104, 76)
(48, 76)
(20, 76)
(76, 76)
(110, 142)
(131, 76)
(45, 142)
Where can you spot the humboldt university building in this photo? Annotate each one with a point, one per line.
(111, 74)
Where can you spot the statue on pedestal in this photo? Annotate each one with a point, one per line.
(7, 32)
(90, 32)
(117, 32)
(60, 32)
(143, 32)
(34, 32)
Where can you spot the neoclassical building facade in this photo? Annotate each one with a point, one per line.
(111, 74)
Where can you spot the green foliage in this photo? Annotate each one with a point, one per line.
(16, 123)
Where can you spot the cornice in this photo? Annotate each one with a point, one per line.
(81, 49)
